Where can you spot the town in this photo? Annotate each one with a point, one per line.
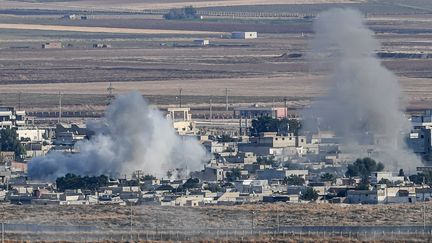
(258, 155)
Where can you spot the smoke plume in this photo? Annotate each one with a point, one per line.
(132, 136)
(365, 98)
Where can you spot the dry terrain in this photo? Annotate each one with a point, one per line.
(158, 57)
(229, 217)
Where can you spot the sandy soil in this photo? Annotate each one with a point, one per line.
(98, 29)
(219, 216)
(150, 4)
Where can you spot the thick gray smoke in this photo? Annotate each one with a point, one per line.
(132, 136)
(365, 99)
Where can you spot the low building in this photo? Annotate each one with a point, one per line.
(256, 111)
(12, 118)
(52, 45)
(201, 42)
(101, 45)
(419, 140)
(244, 35)
(182, 121)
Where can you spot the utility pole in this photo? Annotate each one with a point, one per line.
(252, 226)
(286, 107)
(180, 97)
(131, 225)
(211, 109)
(60, 107)
(19, 100)
(110, 95)
(226, 99)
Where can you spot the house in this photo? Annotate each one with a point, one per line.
(362, 196)
(228, 198)
(253, 186)
(423, 194)
(383, 175)
(210, 174)
(30, 134)
(244, 35)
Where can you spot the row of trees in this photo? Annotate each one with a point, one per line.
(72, 181)
(182, 13)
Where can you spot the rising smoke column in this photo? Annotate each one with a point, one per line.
(364, 97)
(132, 136)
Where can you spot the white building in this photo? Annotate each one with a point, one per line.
(244, 35)
(201, 42)
(11, 118)
(30, 134)
(182, 121)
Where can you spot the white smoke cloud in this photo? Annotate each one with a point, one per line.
(132, 136)
(364, 98)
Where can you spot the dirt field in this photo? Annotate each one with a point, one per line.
(99, 29)
(219, 216)
(148, 4)
(157, 57)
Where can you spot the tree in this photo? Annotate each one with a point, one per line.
(9, 142)
(401, 173)
(269, 124)
(328, 177)
(233, 175)
(309, 195)
(72, 181)
(294, 180)
(364, 167)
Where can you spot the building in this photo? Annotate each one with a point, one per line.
(52, 45)
(182, 121)
(244, 35)
(69, 134)
(101, 45)
(11, 118)
(256, 111)
(201, 42)
(30, 134)
(419, 141)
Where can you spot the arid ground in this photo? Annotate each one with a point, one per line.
(158, 57)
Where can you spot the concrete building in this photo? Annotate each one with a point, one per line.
(244, 35)
(182, 121)
(419, 140)
(12, 118)
(30, 134)
(256, 111)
